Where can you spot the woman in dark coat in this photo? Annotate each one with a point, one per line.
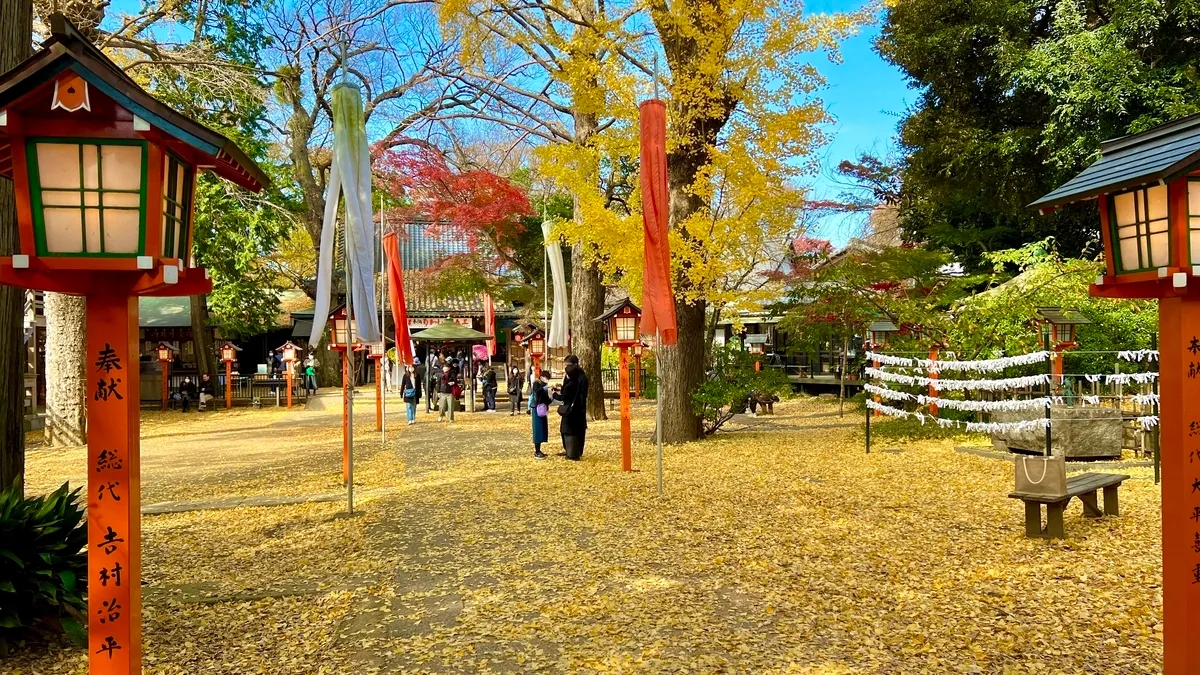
(573, 397)
(541, 424)
(410, 391)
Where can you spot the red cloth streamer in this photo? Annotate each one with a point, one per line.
(489, 323)
(658, 300)
(391, 248)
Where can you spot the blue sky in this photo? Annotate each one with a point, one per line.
(867, 96)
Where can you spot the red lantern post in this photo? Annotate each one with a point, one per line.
(638, 348)
(228, 356)
(623, 323)
(376, 353)
(289, 358)
(1058, 335)
(1149, 195)
(340, 343)
(535, 342)
(165, 353)
(104, 179)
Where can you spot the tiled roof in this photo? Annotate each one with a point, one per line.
(1163, 153)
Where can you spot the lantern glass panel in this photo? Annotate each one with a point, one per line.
(1194, 221)
(1062, 333)
(626, 329)
(87, 197)
(537, 346)
(227, 354)
(1140, 220)
(178, 178)
(339, 331)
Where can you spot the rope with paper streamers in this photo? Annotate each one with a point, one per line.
(960, 385)
(981, 366)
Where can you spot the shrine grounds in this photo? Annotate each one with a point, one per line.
(778, 547)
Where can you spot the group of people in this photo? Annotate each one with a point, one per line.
(448, 384)
(191, 391)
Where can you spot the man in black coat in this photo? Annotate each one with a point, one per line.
(573, 397)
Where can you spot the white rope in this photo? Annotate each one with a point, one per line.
(982, 366)
(1144, 399)
(960, 385)
(979, 427)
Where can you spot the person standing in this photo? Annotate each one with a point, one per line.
(310, 376)
(573, 408)
(187, 392)
(539, 407)
(490, 387)
(419, 379)
(206, 392)
(516, 385)
(410, 391)
(447, 393)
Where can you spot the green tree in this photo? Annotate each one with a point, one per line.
(1015, 98)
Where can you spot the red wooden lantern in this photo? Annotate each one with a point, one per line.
(228, 357)
(1147, 187)
(340, 336)
(623, 327)
(103, 175)
(622, 324)
(534, 341)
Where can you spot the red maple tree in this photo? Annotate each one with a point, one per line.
(481, 209)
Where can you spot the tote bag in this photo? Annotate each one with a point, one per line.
(1042, 476)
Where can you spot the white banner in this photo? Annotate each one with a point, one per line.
(558, 334)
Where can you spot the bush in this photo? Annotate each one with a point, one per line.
(43, 566)
(729, 384)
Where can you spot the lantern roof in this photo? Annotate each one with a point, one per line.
(1063, 316)
(230, 344)
(758, 339)
(448, 331)
(164, 345)
(883, 326)
(67, 49)
(1158, 155)
(616, 309)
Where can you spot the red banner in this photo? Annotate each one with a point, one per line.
(489, 323)
(658, 300)
(391, 248)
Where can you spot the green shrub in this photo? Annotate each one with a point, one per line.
(43, 566)
(730, 381)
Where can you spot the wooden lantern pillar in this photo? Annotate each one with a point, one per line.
(1056, 331)
(1148, 192)
(228, 356)
(289, 358)
(622, 324)
(340, 343)
(638, 348)
(376, 353)
(165, 353)
(104, 179)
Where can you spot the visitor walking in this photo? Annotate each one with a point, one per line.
(490, 387)
(516, 385)
(539, 407)
(187, 392)
(573, 408)
(447, 393)
(419, 380)
(410, 391)
(206, 392)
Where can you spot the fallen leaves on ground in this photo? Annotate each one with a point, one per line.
(778, 547)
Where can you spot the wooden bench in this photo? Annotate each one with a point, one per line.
(1083, 486)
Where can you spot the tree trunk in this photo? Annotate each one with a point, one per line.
(66, 370)
(682, 365)
(587, 334)
(206, 355)
(16, 26)
(587, 291)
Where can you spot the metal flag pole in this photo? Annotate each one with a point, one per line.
(349, 315)
(383, 268)
(658, 402)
